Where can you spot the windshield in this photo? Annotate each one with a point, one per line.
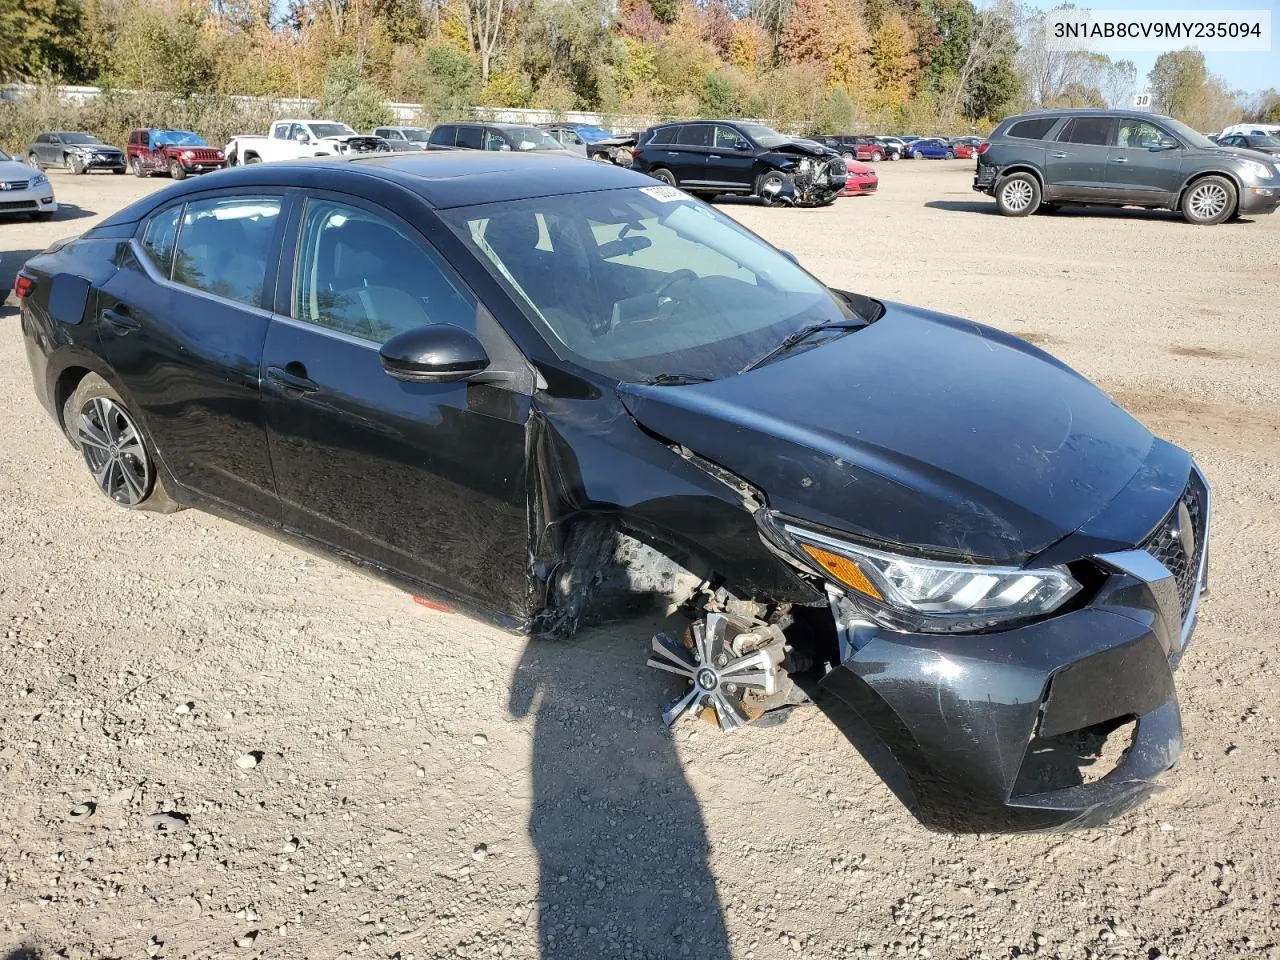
(764, 136)
(320, 130)
(642, 282)
(78, 138)
(1193, 137)
(176, 138)
(531, 138)
(416, 134)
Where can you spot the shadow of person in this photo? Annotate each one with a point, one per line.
(621, 846)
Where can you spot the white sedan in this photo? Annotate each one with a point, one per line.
(24, 189)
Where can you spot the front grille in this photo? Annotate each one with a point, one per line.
(19, 205)
(1166, 542)
(16, 184)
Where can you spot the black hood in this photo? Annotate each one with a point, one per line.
(920, 429)
(810, 147)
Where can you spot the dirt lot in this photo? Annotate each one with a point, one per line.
(426, 786)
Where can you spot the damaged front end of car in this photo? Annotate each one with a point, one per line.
(810, 176)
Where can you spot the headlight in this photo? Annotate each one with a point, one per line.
(187, 154)
(1259, 171)
(918, 594)
(39, 179)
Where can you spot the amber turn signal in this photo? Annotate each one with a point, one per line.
(843, 569)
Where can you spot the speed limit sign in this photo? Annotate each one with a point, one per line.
(1142, 101)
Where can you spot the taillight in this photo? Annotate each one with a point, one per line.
(982, 147)
(23, 285)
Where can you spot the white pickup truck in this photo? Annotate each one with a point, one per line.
(294, 139)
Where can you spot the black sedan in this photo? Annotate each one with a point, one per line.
(497, 378)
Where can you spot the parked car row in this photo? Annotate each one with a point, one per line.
(149, 150)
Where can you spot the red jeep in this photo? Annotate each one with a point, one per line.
(176, 152)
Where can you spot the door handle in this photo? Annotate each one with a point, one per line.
(1059, 156)
(120, 318)
(290, 380)
(1119, 159)
(715, 156)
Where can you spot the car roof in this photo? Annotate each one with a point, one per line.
(444, 179)
(1089, 112)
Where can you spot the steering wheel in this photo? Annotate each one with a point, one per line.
(683, 275)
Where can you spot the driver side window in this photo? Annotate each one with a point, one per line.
(726, 138)
(360, 274)
(1138, 135)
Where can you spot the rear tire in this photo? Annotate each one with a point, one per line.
(1209, 201)
(951, 154)
(177, 171)
(115, 449)
(665, 175)
(1018, 195)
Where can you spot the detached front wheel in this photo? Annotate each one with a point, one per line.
(1018, 195)
(1209, 201)
(114, 447)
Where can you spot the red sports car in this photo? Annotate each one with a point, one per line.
(862, 179)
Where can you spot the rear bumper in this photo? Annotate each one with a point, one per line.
(990, 730)
(984, 179)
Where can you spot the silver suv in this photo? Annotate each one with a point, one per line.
(1040, 160)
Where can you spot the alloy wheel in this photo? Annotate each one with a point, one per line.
(112, 447)
(1016, 195)
(1207, 201)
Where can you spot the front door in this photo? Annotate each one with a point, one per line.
(426, 479)
(1139, 174)
(731, 160)
(182, 324)
(1076, 163)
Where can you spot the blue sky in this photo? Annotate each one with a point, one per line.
(1242, 71)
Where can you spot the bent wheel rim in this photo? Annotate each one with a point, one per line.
(1016, 195)
(1208, 201)
(112, 447)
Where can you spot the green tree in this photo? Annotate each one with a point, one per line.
(162, 49)
(1177, 81)
(348, 97)
(838, 112)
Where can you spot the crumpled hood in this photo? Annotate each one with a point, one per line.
(921, 430)
(811, 147)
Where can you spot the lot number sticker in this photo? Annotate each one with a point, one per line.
(664, 193)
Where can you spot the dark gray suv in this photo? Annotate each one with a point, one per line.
(1118, 157)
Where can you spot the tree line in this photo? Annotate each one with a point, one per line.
(826, 65)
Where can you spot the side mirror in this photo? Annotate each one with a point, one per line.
(436, 353)
(742, 145)
(302, 137)
(790, 256)
(1165, 143)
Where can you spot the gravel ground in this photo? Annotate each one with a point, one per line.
(214, 745)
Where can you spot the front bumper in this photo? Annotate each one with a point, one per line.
(203, 166)
(32, 200)
(1259, 199)
(857, 186)
(95, 161)
(989, 728)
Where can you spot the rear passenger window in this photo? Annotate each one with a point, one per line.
(695, 135)
(1032, 129)
(361, 275)
(442, 136)
(472, 138)
(157, 240)
(224, 244)
(664, 135)
(1088, 130)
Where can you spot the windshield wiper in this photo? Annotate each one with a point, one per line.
(804, 333)
(674, 379)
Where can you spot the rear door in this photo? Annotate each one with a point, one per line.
(183, 322)
(687, 157)
(1076, 163)
(1135, 172)
(426, 479)
(470, 137)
